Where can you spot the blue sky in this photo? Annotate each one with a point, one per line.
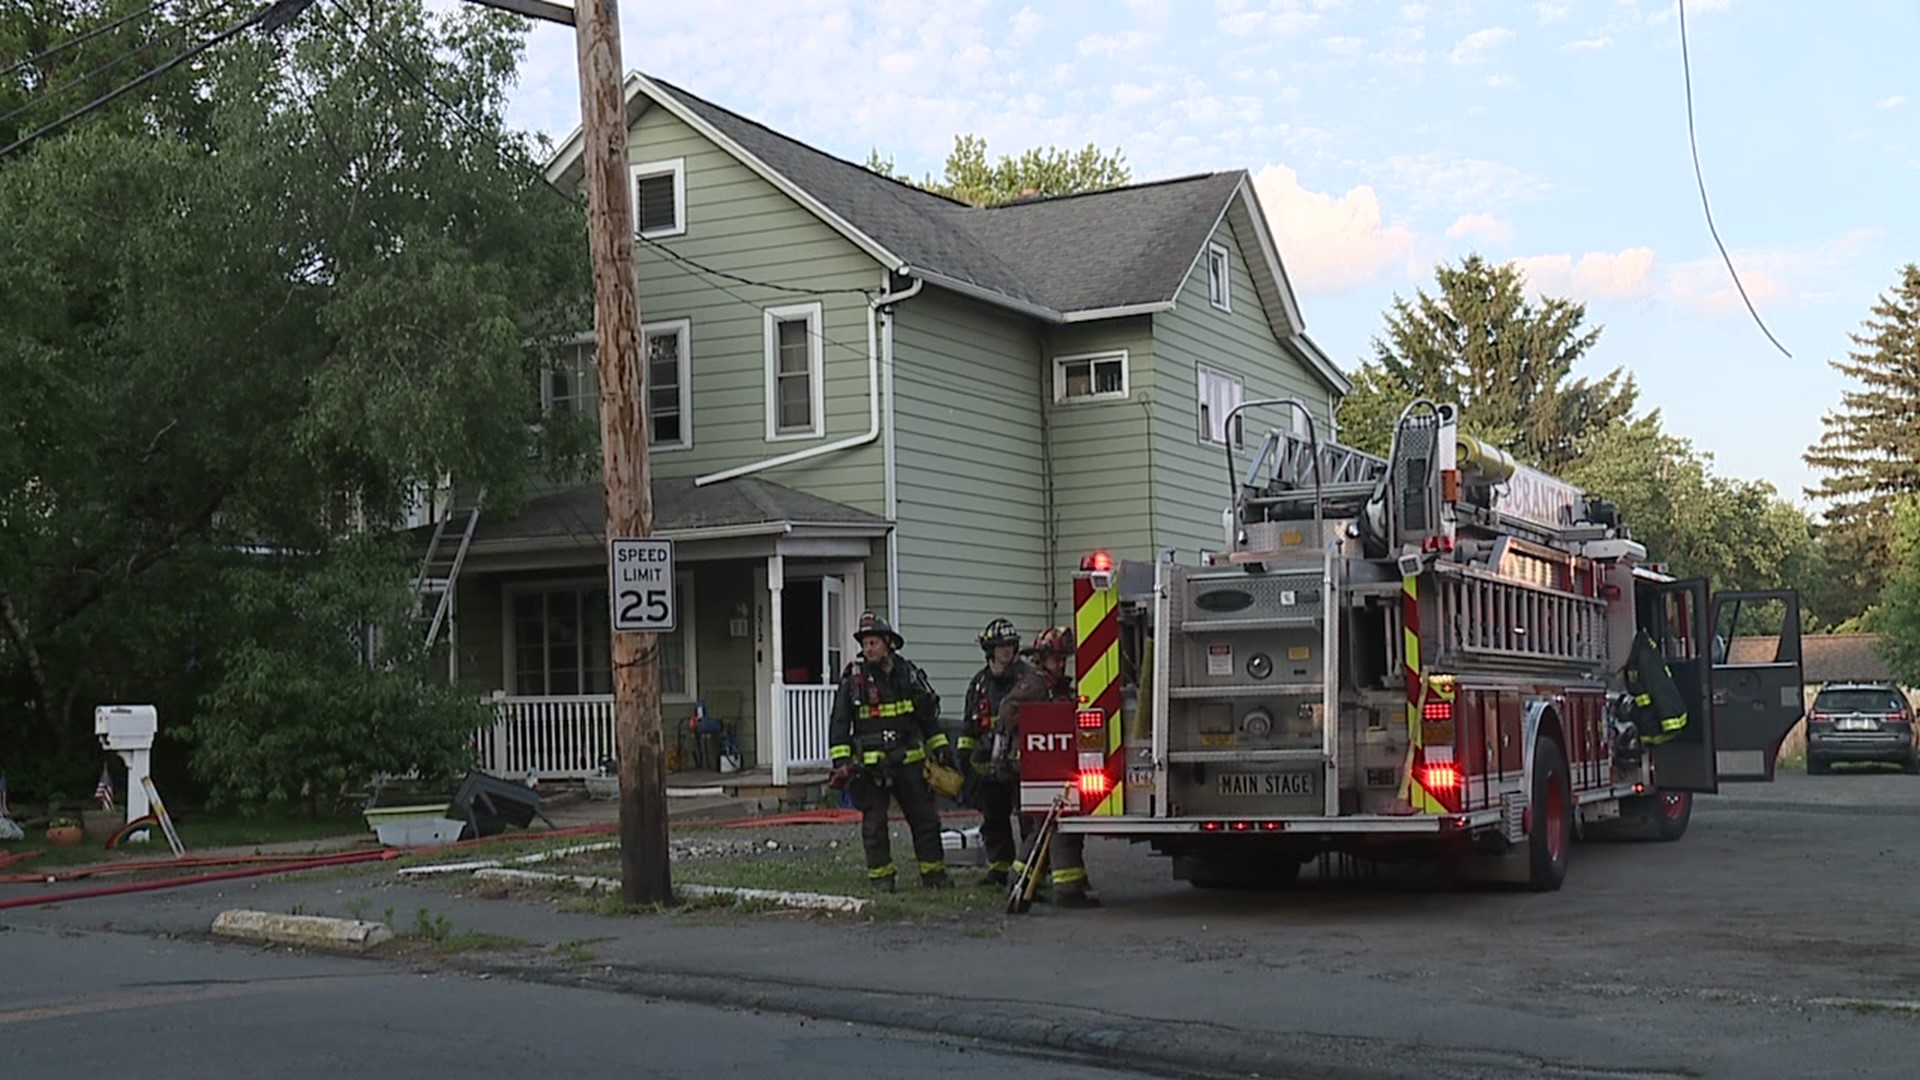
(1387, 137)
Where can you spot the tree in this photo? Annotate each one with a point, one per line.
(1897, 616)
(971, 178)
(1508, 362)
(246, 311)
(1870, 448)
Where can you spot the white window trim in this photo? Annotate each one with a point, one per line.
(509, 644)
(675, 167)
(815, 375)
(1060, 377)
(683, 329)
(1201, 372)
(1225, 303)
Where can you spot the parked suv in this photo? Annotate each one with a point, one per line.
(1861, 722)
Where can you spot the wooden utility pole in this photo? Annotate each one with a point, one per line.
(644, 872)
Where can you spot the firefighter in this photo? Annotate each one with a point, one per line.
(885, 723)
(1658, 710)
(1047, 681)
(995, 795)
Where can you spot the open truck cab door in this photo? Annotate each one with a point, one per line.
(1675, 612)
(1757, 692)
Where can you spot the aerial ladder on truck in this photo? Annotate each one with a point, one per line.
(1416, 655)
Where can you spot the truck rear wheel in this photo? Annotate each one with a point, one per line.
(1551, 836)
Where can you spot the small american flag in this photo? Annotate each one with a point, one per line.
(104, 789)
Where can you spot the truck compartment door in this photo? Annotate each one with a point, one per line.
(1757, 679)
(1676, 613)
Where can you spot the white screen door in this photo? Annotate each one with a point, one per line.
(833, 627)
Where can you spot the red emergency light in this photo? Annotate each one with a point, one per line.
(1094, 782)
(1092, 719)
(1439, 777)
(1437, 710)
(1099, 562)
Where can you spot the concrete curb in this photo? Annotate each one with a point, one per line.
(851, 905)
(312, 931)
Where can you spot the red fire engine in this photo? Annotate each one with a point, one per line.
(1420, 654)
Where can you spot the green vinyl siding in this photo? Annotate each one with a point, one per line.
(1100, 453)
(1190, 476)
(739, 223)
(971, 485)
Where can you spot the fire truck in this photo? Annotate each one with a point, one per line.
(1415, 656)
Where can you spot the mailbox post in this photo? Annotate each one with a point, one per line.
(128, 730)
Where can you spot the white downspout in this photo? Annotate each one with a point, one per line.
(878, 303)
(887, 470)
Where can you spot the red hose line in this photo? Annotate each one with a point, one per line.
(197, 879)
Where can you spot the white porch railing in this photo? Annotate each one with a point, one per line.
(802, 714)
(560, 738)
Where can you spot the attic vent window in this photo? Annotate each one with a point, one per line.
(660, 198)
(1219, 277)
(1091, 377)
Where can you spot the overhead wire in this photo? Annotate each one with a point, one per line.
(79, 39)
(269, 16)
(87, 76)
(1693, 142)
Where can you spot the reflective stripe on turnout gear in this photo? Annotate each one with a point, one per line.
(837, 752)
(887, 709)
(1070, 876)
(932, 868)
(913, 756)
(938, 742)
(877, 872)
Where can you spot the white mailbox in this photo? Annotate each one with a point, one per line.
(128, 730)
(126, 727)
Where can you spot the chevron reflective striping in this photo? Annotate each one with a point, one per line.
(1411, 790)
(1096, 663)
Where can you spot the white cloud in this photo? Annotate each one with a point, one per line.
(1413, 13)
(1111, 44)
(1128, 95)
(1485, 226)
(1344, 46)
(1331, 242)
(1893, 102)
(1026, 23)
(1551, 13)
(1280, 18)
(1597, 275)
(1476, 45)
(1592, 44)
(1461, 185)
(1502, 82)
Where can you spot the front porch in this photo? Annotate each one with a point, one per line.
(769, 583)
(565, 737)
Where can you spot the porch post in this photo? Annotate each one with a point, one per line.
(776, 581)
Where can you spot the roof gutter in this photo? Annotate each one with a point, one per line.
(875, 305)
(998, 299)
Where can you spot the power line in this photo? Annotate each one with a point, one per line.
(1686, 68)
(79, 39)
(56, 91)
(270, 16)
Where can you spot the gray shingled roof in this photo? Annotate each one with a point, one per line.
(1103, 249)
(678, 506)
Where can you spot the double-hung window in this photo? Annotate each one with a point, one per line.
(795, 398)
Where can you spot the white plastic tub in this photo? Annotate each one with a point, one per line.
(419, 831)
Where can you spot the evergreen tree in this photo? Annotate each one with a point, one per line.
(1508, 362)
(1870, 449)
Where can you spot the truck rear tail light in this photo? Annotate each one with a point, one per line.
(1209, 826)
(1094, 782)
(1242, 826)
(1437, 710)
(1269, 826)
(1439, 778)
(1092, 718)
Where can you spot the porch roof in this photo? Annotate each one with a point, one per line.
(575, 517)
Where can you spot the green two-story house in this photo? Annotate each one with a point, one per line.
(863, 395)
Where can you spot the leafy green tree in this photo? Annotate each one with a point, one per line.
(1870, 450)
(972, 178)
(1897, 616)
(246, 312)
(1507, 361)
(309, 701)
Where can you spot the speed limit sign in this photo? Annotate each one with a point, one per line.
(641, 572)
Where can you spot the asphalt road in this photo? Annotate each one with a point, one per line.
(88, 1005)
(1779, 938)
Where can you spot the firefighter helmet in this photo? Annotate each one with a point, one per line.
(1054, 640)
(998, 632)
(872, 625)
